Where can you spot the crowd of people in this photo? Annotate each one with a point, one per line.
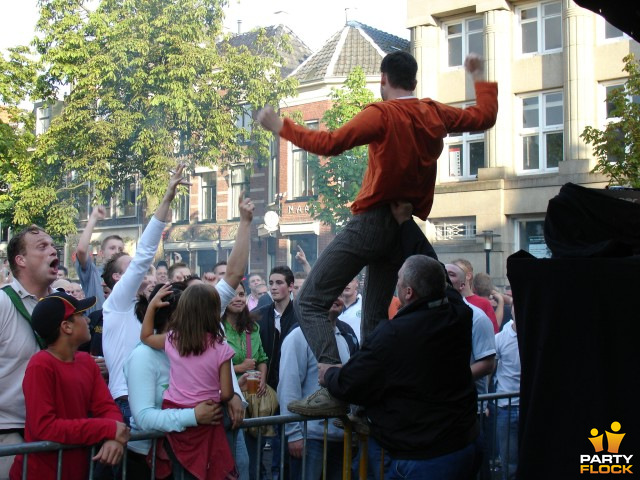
(134, 346)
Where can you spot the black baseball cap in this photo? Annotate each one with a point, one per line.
(56, 307)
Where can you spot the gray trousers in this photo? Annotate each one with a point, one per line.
(368, 240)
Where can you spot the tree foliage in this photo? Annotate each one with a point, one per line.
(617, 146)
(17, 80)
(149, 83)
(338, 178)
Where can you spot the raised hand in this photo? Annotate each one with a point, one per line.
(99, 212)
(474, 65)
(176, 179)
(269, 119)
(246, 207)
(401, 211)
(158, 300)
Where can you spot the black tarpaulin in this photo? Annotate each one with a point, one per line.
(622, 15)
(579, 337)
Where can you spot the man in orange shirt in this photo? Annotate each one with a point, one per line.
(404, 135)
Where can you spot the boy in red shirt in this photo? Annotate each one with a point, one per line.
(66, 399)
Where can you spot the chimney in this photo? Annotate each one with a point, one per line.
(239, 27)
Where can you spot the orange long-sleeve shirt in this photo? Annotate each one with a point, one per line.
(405, 141)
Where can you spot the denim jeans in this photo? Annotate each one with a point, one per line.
(508, 439)
(378, 461)
(102, 469)
(239, 451)
(314, 460)
(253, 449)
(123, 405)
(459, 465)
(370, 240)
(238, 447)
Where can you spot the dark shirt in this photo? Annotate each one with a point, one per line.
(413, 378)
(272, 339)
(94, 346)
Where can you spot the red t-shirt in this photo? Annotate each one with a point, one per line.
(60, 397)
(484, 305)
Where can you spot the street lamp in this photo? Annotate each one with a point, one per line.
(487, 236)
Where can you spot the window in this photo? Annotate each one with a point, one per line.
(82, 202)
(181, 207)
(611, 32)
(308, 243)
(243, 122)
(272, 173)
(81, 196)
(4, 231)
(612, 116)
(530, 237)
(206, 259)
(126, 200)
(304, 182)
(208, 196)
(542, 131)
(464, 38)
(43, 119)
(447, 229)
(465, 154)
(541, 27)
(238, 184)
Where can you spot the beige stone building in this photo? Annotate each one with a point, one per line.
(554, 63)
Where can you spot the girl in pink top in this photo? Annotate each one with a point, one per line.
(199, 371)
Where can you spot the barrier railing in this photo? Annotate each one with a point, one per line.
(497, 464)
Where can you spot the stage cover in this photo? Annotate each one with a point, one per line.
(579, 338)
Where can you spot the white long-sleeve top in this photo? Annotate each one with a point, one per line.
(120, 327)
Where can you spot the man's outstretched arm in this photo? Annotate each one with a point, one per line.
(483, 114)
(239, 257)
(82, 250)
(364, 128)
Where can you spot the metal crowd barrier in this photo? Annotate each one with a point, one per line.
(493, 465)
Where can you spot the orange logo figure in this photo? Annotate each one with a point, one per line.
(614, 439)
(596, 440)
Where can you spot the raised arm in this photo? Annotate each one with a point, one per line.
(239, 257)
(147, 335)
(474, 65)
(301, 258)
(125, 290)
(82, 250)
(176, 180)
(366, 127)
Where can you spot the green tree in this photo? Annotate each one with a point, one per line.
(338, 178)
(617, 146)
(151, 83)
(17, 80)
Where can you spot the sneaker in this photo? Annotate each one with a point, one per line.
(319, 404)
